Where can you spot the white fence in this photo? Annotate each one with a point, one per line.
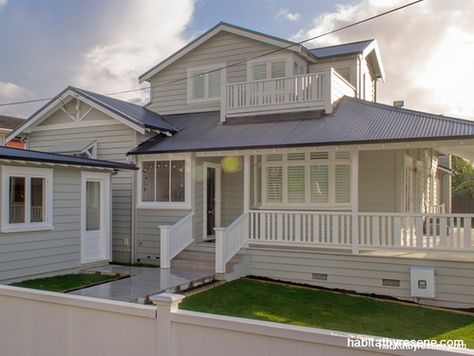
(37, 323)
(174, 239)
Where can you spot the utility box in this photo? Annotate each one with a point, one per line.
(422, 281)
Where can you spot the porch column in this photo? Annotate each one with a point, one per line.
(246, 206)
(355, 200)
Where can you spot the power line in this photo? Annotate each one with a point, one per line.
(245, 60)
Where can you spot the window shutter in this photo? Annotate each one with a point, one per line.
(215, 84)
(343, 183)
(278, 69)
(198, 85)
(259, 71)
(319, 184)
(274, 178)
(296, 184)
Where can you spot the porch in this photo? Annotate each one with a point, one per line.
(345, 204)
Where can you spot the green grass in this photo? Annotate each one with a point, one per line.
(66, 282)
(328, 310)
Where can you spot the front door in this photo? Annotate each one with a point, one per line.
(211, 199)
(95, 217)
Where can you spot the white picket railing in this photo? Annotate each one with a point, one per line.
(301, 227)
(310, 91)
(416, 231)
(174, 239)
(229, 240)
(449, 232)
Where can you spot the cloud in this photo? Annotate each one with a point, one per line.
(291, 16)
(148, 31)
(12, 92)
(427, 50)
(3, 2)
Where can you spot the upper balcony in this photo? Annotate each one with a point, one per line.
(317, 91)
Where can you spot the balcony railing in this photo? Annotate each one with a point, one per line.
(306, 92)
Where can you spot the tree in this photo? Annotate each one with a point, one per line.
(463, 177)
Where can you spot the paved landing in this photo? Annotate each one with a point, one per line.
(144, 282)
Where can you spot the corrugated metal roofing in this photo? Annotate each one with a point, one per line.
(37, 156)
(341, 50)
(133, 112)
(353, 121)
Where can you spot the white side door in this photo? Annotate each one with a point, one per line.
(95, 217)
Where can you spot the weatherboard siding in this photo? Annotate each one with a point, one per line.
(169, 87)
(114, 140)
(364, 274)
(24, 254)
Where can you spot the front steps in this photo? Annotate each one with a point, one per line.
(202, 256)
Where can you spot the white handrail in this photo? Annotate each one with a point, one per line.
(175, 238)
(229, 240)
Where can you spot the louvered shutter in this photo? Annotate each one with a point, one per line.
(215, 84)
(343, 183)
(296, 184)
(198, 86)
(274, 180)
(278, 69)
(259, 71)
(319, 178)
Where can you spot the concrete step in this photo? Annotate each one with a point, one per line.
(192, 263)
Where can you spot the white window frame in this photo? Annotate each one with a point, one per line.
(331, 162)
(190, 75)
(27, 173)
(186, 204)
(289, 60)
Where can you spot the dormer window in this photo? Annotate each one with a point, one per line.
(204, 83)
(267, 70)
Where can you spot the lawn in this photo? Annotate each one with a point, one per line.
(66, 282)
(281, 303)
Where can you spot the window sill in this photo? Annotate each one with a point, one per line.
(180, 206)
(26, 228)
(208, 100)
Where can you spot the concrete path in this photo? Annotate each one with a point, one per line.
(144, 281)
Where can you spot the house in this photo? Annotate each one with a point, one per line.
(260, 156)
(7, 125)
(54, 213)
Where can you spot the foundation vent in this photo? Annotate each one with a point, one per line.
(391, 282)
(320, 276)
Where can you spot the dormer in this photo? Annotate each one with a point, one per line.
(247, 73)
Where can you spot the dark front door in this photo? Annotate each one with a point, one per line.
(211, 200)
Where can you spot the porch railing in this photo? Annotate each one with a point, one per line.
(416, 231)
(229, 240)
(174, 239)
(449, 232)
(301, 227)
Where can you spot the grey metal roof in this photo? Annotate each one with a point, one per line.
(132, 112)
(37, 156)
(353, 121)
(10, 122)
(341, 49)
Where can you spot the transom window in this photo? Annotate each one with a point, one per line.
(307, 179)
(164, 182)
(204, 83)
(29, 198)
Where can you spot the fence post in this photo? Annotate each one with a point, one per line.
(220, 263)
(166, 304)
(165, 259)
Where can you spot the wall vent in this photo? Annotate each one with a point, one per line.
(320, 276)
(391, 282)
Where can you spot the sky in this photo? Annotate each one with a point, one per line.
(104, 45)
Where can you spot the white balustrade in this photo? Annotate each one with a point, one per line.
(174, 239)
(416, 231)
(229, 240)
(300, 227)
